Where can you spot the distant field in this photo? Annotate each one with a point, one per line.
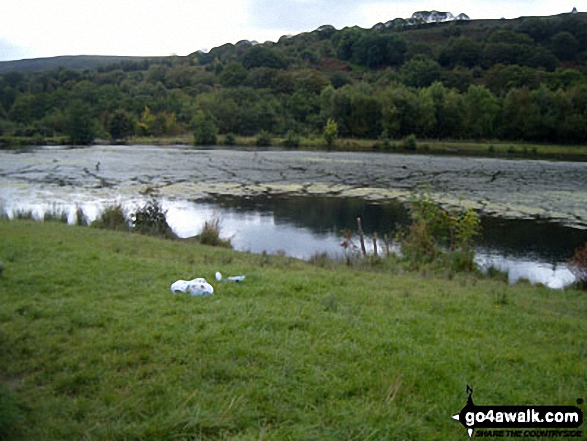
(94, 346)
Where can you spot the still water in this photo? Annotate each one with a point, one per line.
(303, 226)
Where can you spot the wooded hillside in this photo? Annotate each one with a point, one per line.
(522, 79)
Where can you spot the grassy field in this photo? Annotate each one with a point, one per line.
(93, 345)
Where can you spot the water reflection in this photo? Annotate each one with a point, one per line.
(305, 226)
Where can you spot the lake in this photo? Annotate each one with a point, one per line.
(533, 215)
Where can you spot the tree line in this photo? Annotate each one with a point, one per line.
(522, 80)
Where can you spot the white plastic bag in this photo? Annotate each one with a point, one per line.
(195, 287)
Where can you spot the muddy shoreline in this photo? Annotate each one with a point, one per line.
(520, 189)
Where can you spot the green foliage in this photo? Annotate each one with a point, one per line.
(55, 215)
(80, 126)
(151, 219)
(210, 235)
(233, 75)
(263, 139)
(205, 129)
(260, 56)
(440, 235)
(112, 218)
(120, 125)
(350, 75)
(375, 51)
(230, 139)
(330, 132)
(291, 140)
(420, 72)
(409, 143)
(565, 46)
(461, 51)
(578, 266)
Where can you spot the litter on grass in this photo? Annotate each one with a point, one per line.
(195, 287)
(230, 279)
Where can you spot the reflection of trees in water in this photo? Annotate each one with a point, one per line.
(322, 214)
(550, 241)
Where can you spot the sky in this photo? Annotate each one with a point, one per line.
(47, 28)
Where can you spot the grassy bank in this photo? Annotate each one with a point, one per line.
(496, 149)
(94, 346)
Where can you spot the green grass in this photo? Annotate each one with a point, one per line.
(496, 148)
(93, 345)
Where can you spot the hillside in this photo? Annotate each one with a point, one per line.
(432, 76)
(77, 62)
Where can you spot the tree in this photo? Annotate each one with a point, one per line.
(565, 46)
(120, 125)
(233, 74)
(205, 129)
(376, 50)
(260, 56)
(80, 126)
(145, 123)
(521, 115)
(448, 111)
(461, 51)
(407, 111)
(420, 72)
(330, 132)
(481, 110)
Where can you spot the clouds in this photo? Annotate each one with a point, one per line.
(41, 28)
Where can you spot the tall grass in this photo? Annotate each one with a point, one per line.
(210, 235)
(112, 218)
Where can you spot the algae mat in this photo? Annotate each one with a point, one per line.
(555, 191)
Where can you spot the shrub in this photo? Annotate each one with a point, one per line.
(437, 234)
(55, 215)
(291, 140)
(24, 215)
(229, 139)
(205, 129)
(151, 220)
(578, 266)
(112, 218)
(263, 139)
(409, 143)
(330, 132)
(210, 235)
(80, 218)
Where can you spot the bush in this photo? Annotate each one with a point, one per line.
(291, 140)
(263, 139)
(112, 218)
(210, 235)
(229, 139)
(205, 129)
(439, 235)
(409, 143)
(55, 215)
(578, 266)
(151, 220)
(80, 218)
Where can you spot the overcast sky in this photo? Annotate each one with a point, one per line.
(46, 28)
